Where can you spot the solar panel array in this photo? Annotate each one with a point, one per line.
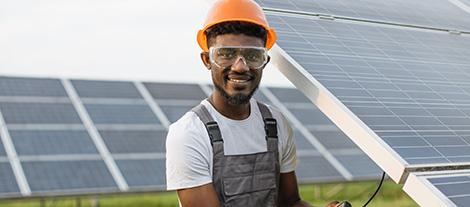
(70, 137)
(400, 92)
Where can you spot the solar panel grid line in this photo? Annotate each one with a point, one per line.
(13, 158)
(308, 153)
(391, 162)
(113, 101)
(34, 99)
(307, 134)
(4, 159)
(133, 127)
(46, 127)
(96, 137)
(140, 156)
(59, 157)
(153, 105)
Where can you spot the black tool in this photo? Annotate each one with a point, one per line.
(344, 204)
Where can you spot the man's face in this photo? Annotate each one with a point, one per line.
(237, 82)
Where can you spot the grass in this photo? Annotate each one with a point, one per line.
(390, 195)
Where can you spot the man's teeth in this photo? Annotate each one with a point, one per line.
(238, 80)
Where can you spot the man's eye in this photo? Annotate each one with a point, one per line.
(253, 56)
(224, 53)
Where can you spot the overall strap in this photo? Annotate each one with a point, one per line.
(211, 126)
(270, 127)
(270, 124)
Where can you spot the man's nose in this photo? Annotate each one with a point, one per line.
(240, 65)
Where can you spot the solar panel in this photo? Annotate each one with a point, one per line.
(65, 177)
(121, 114)
(39, 113)
(175, 91)
(451, 188)
(316, 169)
(444, 14)
(416, 91)
(15, 86)
(8, 185)
(106, 89)
(135, 141)
(148, 173)
(52, 142)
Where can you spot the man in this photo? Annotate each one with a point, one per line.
(231, 150)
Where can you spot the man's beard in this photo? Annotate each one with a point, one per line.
(237, 99)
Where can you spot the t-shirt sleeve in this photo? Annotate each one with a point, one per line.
(288, 149)
(187, 156)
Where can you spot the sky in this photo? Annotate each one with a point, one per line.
(144, 40)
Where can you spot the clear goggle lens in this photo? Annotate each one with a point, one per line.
(254, 57)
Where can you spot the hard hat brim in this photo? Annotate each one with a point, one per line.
(202, 38)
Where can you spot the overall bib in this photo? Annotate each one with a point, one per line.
(250, 180)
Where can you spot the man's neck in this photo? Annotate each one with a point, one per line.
(236, 112)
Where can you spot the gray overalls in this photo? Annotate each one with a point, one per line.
(250, 180)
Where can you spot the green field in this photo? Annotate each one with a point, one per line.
(391, 195)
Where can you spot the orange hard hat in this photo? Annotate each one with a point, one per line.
(236, 10)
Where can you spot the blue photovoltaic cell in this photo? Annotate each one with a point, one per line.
(8, 183)
(121, 114)
(175, 91)
(106, 89)
(429, 13)
(456, 188)
(289, 95)
(360, 166)
(409, 86)
(143, 173)
(15, 86)
(334, 140)
(316, 169)
(83, 175)
(56, 142)
(120, 141)
(301, 142)
(39, 113)
(173, 113)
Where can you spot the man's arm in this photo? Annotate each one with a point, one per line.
(289, 192)
(201, 196)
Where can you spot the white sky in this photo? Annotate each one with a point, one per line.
(151, 40)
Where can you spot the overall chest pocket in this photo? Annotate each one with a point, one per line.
(252, 190)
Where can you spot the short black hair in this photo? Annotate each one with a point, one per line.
(236, 27)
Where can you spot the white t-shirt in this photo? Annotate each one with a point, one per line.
(189, 150)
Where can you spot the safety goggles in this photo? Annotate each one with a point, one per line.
(253, 57)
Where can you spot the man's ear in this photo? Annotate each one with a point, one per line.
(206, 60)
